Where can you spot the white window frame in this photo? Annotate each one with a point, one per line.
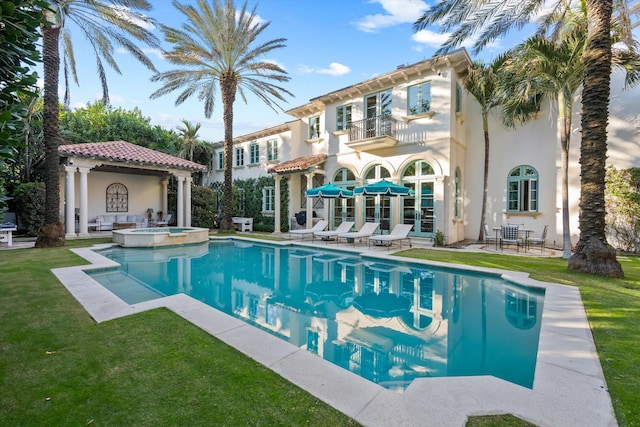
(220, 159)
(314, 127)
(268, 199)
(522, 189)
(272, 150)
(343, 117)
(422, 98)
(254, 153)
(239, 156)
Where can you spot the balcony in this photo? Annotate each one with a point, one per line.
(373, 133)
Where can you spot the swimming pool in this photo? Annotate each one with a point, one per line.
(385, 321)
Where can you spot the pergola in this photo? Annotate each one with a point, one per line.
(145, 169)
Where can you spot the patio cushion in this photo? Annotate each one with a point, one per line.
(107, 218)
(121, 218)
(132, 218)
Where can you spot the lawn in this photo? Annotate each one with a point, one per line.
(58, 367)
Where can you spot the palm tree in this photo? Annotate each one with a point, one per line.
(483, 82)
(189, 134)
(593, 255)
(553, 70)
(102, 23)
(214, 48)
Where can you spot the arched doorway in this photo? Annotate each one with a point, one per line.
(419, 209)
(377, 208)
(343, 209)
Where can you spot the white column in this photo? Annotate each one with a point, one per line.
(276, 216)
(164, 203)
(187, 201)
(84, 202)
(70, 202)
(180, 202)
(309, 201)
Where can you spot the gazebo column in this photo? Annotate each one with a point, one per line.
(180, 202)
(276, 216)
(164, 202)
(84, 202)
(309, 223)
(187, 201)
(70, 202)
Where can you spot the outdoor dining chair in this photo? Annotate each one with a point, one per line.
(510, 235)
(490, 238)
(541, 240)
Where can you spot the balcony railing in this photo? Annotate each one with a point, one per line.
(374, 127)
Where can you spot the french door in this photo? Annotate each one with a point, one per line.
(419, 208)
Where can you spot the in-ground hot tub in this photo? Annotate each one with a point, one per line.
(160, 236)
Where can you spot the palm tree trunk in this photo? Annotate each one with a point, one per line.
(593, 255)
(485, 185)
(52, 231)
(228, 90)
(565, 108)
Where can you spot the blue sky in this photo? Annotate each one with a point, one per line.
(331, 44)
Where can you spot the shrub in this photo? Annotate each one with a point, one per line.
(202, 207)
(30, 200)
(622, 199)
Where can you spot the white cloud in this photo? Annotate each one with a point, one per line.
(305, 69)
(335, 69)
(429, 38)
(397, 12)
(273, 61)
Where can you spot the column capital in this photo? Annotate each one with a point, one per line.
(189, 179)
(181, 178)
(70, 169)
(84, 170)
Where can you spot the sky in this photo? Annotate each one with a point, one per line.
(330, 44)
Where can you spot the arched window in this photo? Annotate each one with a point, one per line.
(117, 198)
(377, 172)
(522, 189)
(457, 195)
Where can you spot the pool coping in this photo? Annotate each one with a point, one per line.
(569, 387)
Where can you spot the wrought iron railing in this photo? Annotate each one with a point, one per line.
(373, 127)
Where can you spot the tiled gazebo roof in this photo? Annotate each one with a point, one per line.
(122, 151)
(298, 165)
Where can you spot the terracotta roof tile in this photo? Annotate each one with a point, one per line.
(299, 164)
(123, 151)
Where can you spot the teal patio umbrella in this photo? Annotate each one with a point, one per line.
(383, 188)
(329, 191)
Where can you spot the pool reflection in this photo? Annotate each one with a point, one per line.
(388, 322)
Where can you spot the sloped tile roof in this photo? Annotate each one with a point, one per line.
(122, 151)
(299, 164)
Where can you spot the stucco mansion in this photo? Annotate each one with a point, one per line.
(417, 126)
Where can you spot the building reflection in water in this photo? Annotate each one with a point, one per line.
(387, 322)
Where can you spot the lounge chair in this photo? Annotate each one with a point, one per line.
(399, 233)
(365, 232)
(319, 226)
(165, 221)
(329, 235)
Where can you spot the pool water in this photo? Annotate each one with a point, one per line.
(389, 322)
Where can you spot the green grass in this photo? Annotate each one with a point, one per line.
(130, 371)
(613, 310)
(59, 368)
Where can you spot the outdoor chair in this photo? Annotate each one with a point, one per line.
(535, 241)
(330, 235)
(365, 232)
(319, 226)
(164, 222)
(510, 235)
(490, 238)
(399, 233)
